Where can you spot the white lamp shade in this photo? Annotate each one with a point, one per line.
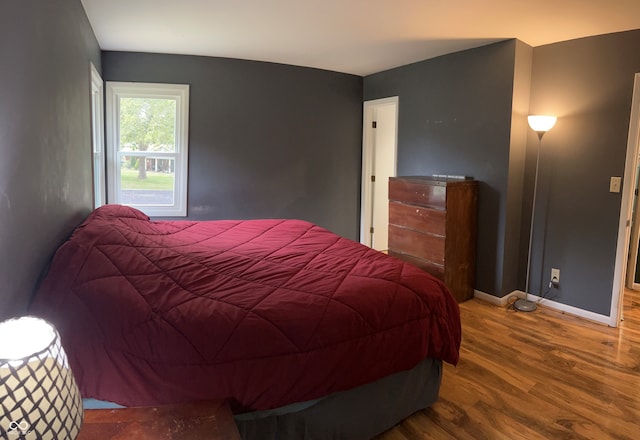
(541, 123)
(39, 397)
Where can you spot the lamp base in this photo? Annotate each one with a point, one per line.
(524, 305)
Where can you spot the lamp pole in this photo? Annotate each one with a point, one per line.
(540, 124)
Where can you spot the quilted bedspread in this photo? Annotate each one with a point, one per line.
(261, 312)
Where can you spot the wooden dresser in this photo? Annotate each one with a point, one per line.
(433, 225)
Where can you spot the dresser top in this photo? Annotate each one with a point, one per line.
(436, 180)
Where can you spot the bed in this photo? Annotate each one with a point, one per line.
(305, 333)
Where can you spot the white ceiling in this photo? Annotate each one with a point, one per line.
(353, 36)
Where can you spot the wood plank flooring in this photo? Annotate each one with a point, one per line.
(539, 375)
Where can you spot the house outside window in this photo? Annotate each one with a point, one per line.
(147, 146)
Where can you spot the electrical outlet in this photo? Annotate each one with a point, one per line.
(555, 277)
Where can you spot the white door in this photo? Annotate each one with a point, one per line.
(380, 138)
(635, 238)
(626, 207)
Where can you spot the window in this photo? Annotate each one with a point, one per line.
(97, 138)
(147, 127)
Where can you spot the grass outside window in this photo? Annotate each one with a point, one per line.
(154, 180)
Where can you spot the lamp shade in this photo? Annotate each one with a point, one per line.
(39, 398)
(541, 123)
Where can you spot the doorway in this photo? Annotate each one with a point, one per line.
(626, 209)
(379, 152)
(633, 266)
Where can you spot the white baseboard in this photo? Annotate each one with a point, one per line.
(591, 316)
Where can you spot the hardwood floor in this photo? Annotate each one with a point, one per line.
(539, 375)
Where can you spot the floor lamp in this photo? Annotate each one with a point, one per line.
(540, 124)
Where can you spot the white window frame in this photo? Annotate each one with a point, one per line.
(97, 138)
(179, 92)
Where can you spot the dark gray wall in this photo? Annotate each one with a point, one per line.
(455, 116)
(588, 84)
(45, 137)
(516, 236)
(265, 140)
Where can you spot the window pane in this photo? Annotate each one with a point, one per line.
(147, 180)
(148, 146)
(147, 124)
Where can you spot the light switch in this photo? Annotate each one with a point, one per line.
(615, 184)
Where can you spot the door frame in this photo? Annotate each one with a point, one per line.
(98, 155)
(628, 188)
(634, 237)
(368, 142)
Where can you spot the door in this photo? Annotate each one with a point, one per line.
(380, 138)
(626, 208)
(633, 269)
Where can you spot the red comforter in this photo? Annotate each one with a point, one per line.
(261, 312)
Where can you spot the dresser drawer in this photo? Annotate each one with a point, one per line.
(436, 270)
(425, 246)
(418, 218)
(415, 193)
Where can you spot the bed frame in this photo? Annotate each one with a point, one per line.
(359, 413)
